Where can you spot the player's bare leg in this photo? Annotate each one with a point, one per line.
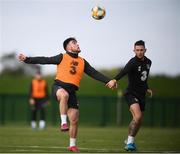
(63, 97)
(136, 121)
(73, 115)
(134, 126)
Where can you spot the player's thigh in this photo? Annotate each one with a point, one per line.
(136, 111)
(73, 115)
(62, 94)
(58, 92)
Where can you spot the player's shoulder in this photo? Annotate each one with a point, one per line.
(34, 81)
(59, 55)
(132, 60)
(81, 57)
(63, 54)
(148, 60)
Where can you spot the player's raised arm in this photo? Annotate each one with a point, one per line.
(125, 70)
(41, 60)
(113, 83)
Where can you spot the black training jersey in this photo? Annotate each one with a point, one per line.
(137, 71)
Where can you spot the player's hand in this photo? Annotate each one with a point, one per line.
(22, 57)
(31, 101)
(150, 92)
(112, 84)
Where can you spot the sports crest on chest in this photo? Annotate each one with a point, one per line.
(141, 68)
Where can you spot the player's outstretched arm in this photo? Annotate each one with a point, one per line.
(92, 72)
(41, 60)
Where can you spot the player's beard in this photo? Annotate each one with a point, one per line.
(77, 51)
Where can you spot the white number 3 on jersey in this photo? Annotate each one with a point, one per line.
(144, 75)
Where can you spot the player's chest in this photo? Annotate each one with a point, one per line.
(141, 71)
(140, 67)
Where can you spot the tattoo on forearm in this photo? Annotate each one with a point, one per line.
(133, 128)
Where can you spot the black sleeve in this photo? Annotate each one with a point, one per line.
(150, 63)
(89, 70)
(124, 71)
(44, 60)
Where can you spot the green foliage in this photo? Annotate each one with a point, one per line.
(14, 84)
(162, 86)
(165, 86)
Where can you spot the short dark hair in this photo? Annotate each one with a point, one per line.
(140, 42)
(65, 43)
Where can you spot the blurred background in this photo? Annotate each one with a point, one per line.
(39, 27)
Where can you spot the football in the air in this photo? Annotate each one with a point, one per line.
(98, 12)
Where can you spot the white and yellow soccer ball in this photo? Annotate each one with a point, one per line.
(98, 12)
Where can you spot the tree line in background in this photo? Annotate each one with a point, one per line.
(11, 66)
(15, 78)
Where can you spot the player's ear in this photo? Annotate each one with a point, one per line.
(68, 47)
(145, 50)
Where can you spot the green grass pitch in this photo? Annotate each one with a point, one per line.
(22, 139)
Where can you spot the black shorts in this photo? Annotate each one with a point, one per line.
(39, 102)
(132, 99)
(72, 101)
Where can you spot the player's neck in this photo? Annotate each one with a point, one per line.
(72, 54)
(141, 59)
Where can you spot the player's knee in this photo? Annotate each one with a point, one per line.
(62, 95)
(138, 117)
(74, 121)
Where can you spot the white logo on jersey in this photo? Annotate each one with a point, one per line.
(139, 68)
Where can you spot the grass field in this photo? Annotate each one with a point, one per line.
(22, 139)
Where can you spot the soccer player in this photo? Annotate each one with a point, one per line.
(39, 98)
(137, 70)
(70, 69)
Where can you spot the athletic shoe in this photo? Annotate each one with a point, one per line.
(73, 149)
(130, 147)
(64, 127)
